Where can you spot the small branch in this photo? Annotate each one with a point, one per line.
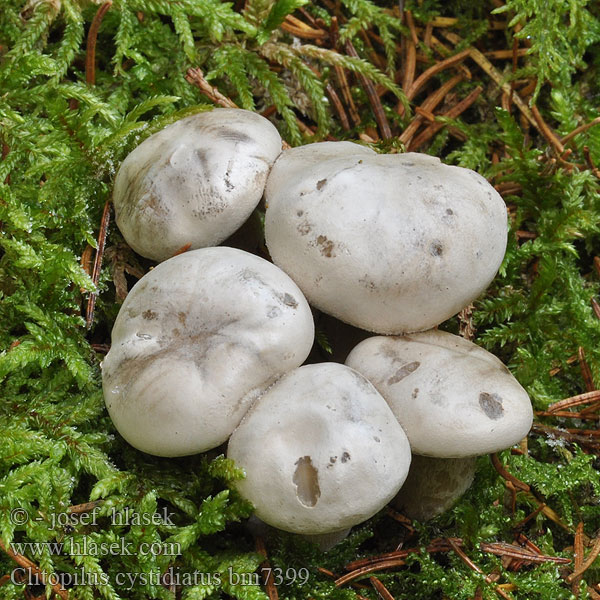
(429, 104)
(24, 562)
(302, 30)
(592, 556)
(567, 138)
(380, 589)
(270, 586)
(90, 51)
(574, 401)
(512, 551)
(196, 77)
(382, 122)
(506, 475)
(546, 131)
(434, 70)
(586, 372)
(453, 113)
(89, 313)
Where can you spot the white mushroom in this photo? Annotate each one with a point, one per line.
(388, 243)
(321, 450)
(195, 340)
(194, 182)
(452, 398)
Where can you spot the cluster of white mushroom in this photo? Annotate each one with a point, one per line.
(208, 345)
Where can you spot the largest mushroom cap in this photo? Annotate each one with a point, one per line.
(453, 398)
(388, 243)
(321, 449)
(194, 182)
(194, 340)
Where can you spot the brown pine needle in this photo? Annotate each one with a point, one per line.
(567, 138)
(586, 372)
(429, 104)
(587, 563)
(585, 398)
(380, 566)
(495, 75)
(270, 586)
(453, 113)
(434, 70)
(380, 589)
(578, 553)
(196, 77)
(382, 122)
(503, 549)
(24, 562)
(89, 312)
(90, 51)
(546, 131)
(506, 475)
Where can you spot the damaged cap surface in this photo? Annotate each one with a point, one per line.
(452, 398)
(388, 243)
(321, 450)
(195, 340)
(194, 182)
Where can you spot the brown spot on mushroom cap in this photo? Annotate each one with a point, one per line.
(150, 315)
(321, 183)
(436, 248)
(327, 246)
(404, 372)
(491, 404)
(306, 480)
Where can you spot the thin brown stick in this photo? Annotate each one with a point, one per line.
(85, 507)
(89, 312)
(434, 70)
(586, 372)
(505, 54)
(454, 112)
(302, 30)
(436, 545)
(24, 562)
(461, 554)
(567, 138)
(270, 586)
(589, 161)
(382, 122)
(546, 131)
(596, 307)
(341, 74)
(506, 475)
(381, 589)
(339, 107)
(90, 49)
(380, 566)
(587, 563)
(196, 77)
(429, 104)
(510, 550)
(578, 554)
(495, 75)
(574, 401)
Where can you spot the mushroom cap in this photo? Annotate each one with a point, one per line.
(452, 398)
(433, 485)
(321, 450)
(195, 340)
(389, 243)
(194, 182)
